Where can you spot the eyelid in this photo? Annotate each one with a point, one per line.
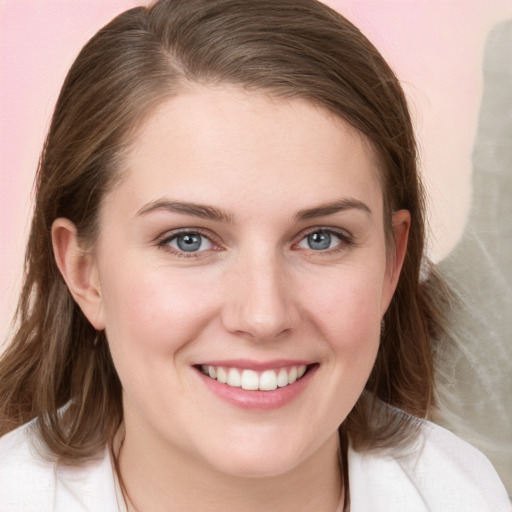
(347, 239)
(164, 240)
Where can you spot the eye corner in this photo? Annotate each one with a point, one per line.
(188, 243)
(325, 236)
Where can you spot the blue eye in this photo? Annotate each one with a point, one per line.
(189, 242)
(320, 240)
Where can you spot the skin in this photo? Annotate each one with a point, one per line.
(256, 290)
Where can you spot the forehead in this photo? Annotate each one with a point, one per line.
(226, 142)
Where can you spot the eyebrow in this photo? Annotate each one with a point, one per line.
(197, 210)
(331, 208)
(216, 214)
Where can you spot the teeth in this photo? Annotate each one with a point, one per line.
(268, 380)
(250, 380)
(282, 378)
(233, 378)
(222, 375)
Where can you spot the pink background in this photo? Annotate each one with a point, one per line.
(435, 46)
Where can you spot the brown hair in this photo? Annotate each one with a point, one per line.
(287, 48)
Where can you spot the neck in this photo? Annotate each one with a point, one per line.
(158, 479)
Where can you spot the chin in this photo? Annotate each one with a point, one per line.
(257, 459)
(258, 467)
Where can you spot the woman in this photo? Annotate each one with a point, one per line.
(222, 307)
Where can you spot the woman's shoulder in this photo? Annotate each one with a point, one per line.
(439, 472)
(31, 482)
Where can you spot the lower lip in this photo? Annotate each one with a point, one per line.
(264, 400)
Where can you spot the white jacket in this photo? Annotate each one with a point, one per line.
(442, 473)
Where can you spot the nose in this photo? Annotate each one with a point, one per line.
(261, 304)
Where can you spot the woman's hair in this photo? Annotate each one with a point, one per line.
(284, 48)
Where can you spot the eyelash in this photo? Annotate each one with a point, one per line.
(164, 242)
(346, 241)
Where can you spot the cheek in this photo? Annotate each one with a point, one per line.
(153, 310)
(348, 306)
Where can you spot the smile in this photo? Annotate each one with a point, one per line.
(251, 380)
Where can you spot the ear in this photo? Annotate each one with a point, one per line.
(401, 224)
(78, 269)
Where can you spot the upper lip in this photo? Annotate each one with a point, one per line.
(251, 364)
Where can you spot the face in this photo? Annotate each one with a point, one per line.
(242, 276)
